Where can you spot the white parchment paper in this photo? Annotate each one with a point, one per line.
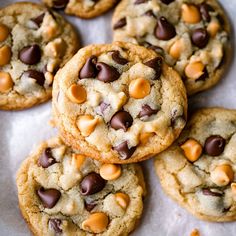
(21, 131)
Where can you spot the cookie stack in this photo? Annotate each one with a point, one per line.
(118, 104)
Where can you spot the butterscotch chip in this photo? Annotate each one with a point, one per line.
(222, 175)
(78, 160)
(195, 232)
(87, 124)
(192, 149)
(6, 82)
(213, 28)
(194, 70)
(122, 199)
(139, 88)
(4, 32)
(190, 14)
(77, 93)
(110, 171)
(144, 137)
(176, 49)
(5, 55)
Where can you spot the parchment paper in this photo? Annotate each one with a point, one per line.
(21, 131)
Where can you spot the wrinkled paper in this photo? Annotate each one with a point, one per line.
(21, 131)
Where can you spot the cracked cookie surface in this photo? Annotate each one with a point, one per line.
(193, 36)
(198, 170)
(34, 43)
(62, 192)
(82, 8)
(119, 103)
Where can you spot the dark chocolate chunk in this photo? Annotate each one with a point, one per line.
(89, 69)
(89, 206)
(167, 2)
(30, 55)
(38, 20)
(55, 224)
(120, 23)
(92, 183)
(117, 58)
(107, 73)
(155, 64)
(46, 159)
(121, 120)
(214, 145)
(49, 197)
(200, 37)
(209, 192)
(60, 4)
(164, 30)
(124, 151)
(146, 111)
(34, 74)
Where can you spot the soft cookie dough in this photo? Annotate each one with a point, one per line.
(62, 192)
(34, 43)
(82, 8)
(198, 170)
(192, 35)
(119, 103)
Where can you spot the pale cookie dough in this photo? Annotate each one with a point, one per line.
(198, 170)
(119, 103)
(34, 43)
(192, 35)
(62, 192)
(82, 8)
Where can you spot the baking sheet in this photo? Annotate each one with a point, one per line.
(23, 130)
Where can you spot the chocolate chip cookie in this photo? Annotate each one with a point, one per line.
(63, 192)
(83, 8)
(34, 43)
(198, 170)
(119, 103)
(192, 35)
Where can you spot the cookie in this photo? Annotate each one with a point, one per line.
(34, 43)
(192, 35)
(118, 103)
(198, 170)
(83, 8)
(64, 192)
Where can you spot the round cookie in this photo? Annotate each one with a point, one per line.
(63, 192)
(118, 103)
(83, 8)
(192, 35)
(198, 170)
(34, 43)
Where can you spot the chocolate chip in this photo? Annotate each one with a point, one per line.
(167, 1)
(164, 30)
(146, 111)
(103, 106)
(89, 69)
(121, 120)
(46, 159)
(214, 145)
(60, 4)
(38, 20)
(89, 206)
(34, 74)
(208, 192)
(157, 49)
(155, 64)
(203, 76)
(55, 224)
(124, 151)
(120, 23)
(200, 37)
(118, 59)
(140, 2)
(150, 13)
(49, 197)
(92, 183)
(30, 55)
(107, 73)
(204, 9)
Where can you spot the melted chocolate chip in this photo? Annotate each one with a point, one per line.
(117, 58)
(200, 37)
(38, 20)
(120, 23)
(89, 69)
(92, 183)
(89, 206)
(121, 120)
(150, 13)
(49, 197)
(107, 73)
(214, 145)
(208, 192)
(34, 74)
(124, 151)
(146, 111)
(203, 76)
(55, 224)
(164, 30)
(157, 49)
(167, 2)
(155, 64)
(204, 9)
(30, 55)
(46, 159)
(140, 2)
(60, 4)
